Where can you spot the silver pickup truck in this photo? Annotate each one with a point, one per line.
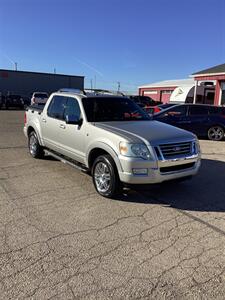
(113, 139)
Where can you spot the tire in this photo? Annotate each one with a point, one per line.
(215, 133)
(105, 177)
(35, 150)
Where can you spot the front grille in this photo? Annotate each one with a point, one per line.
(176, 168)
(176, 150)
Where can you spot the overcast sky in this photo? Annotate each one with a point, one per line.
(131, 41)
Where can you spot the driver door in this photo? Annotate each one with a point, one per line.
(72, 137)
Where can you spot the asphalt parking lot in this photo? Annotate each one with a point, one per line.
(60, 240)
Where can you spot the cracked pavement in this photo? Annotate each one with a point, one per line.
(60, 240)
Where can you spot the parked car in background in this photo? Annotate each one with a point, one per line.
(147, 101)
(14, 100)
(26, 100)
(151, 110)
(203, 120)
(166, 105)
(39, 98)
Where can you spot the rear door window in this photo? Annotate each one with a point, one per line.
(40, 95)
(198, 110)
(56, 107)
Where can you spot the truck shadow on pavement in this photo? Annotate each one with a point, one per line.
(204, 192)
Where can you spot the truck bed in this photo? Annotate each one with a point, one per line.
(33, 108)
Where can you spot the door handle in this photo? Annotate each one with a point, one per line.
(62, 126)
(44, 120)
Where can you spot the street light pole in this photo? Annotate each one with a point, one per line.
(118, 86)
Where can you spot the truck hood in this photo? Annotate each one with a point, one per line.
(154, 132)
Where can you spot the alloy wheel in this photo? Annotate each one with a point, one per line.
(216, 133)
(33, 145)
(102, 177)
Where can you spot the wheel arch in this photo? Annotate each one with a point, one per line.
(101, 149)
(216, 124)
(32, 128)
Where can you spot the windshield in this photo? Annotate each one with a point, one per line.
(107, 109)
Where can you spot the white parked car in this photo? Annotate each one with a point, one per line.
(39, 98)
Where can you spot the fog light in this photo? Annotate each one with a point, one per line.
(140, 171)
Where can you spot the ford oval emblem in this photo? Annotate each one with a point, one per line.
(176, 148)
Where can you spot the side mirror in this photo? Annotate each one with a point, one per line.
(73, 120)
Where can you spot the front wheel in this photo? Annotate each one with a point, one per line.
(216, 133)
(105, 177)
(35, 149)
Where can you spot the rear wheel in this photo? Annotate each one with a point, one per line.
(35, 149)
(216, 133)
(105, 177)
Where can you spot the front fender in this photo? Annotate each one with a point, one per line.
(108, 149)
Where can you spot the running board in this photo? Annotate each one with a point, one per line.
(66, 161)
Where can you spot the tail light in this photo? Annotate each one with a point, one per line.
(25, 118)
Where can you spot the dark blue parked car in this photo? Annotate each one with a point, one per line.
(203, 120)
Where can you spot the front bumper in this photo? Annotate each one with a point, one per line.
(158, 171)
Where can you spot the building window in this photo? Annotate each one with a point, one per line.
(167, 92)
(150, 92)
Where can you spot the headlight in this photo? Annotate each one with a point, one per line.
(195, 147)
(198, 146)
(134, 150)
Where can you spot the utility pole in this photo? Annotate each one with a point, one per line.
(15, 66)
(54, 70)
(95, 81)
(118, 87)
(91, 84)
